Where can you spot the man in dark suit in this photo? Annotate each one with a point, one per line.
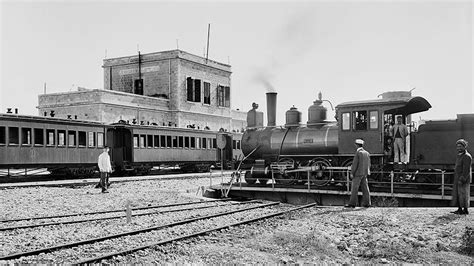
(360, 169)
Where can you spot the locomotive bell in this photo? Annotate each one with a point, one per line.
(293, 117)
(317, 112)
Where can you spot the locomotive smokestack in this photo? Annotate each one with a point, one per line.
(271, 108)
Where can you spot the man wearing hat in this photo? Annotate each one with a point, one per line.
(399, 132)
(462, 178)
(360, 169)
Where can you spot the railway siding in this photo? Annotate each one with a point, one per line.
(315, 235)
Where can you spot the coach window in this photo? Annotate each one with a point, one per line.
(374, 119)
(346, 121)
(234, 144)
(214, 143)
(82, 138)
(163, 141)
(149, 141)
(175, 141)
(142, 141)
(360, 120)
(180, 141)
(135, 140)
(186, 142)
(61, 138)
(26, 136)
(156, 141)
(92, 140)
(3, 136)
(193, 142)
(204, 143)
(50, 137)
(100, 139)
(209, 143)
(168, 142)
(13, 136)
(198, 143)
(71, 138)
(39, 136)
(238, 145)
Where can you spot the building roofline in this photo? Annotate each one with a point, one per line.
(169, 54)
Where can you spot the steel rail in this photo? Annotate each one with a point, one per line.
(134, 232)
(116, 217)
(169, 240)
(102, 212)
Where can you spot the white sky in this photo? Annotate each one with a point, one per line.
(351, 50)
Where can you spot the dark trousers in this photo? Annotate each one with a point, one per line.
(104, 180)
(360, 181)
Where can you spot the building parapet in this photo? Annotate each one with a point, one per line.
(97, 96)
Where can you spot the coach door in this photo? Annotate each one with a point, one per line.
(120, 141)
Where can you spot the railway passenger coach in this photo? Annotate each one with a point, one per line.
(66, 146)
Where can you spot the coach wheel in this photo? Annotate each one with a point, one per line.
(321, 176)
(248, 178)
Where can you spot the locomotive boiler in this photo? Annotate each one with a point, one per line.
(319, 137)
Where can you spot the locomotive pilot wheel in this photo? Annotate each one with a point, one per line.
(280, 176)
(321, 176)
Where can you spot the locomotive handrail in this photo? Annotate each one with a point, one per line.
(226, 192)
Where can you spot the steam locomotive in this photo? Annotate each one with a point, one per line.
(71, 147)
(321, 151)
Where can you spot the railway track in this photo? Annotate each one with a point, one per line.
(5, 224)
(100, 248)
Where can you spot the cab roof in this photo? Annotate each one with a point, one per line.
(399, 105)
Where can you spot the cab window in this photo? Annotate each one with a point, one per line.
(360, 120)
(346, 121)
(374, 119)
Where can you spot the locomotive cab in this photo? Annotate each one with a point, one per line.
(370, 121)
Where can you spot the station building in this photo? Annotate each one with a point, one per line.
(169, 88)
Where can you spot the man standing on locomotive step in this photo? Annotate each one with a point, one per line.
(360, 169)
(105, 169)
(399, 133)
(462, 178)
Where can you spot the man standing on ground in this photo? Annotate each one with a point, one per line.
(105, 169)
(360, 169)
(400, 132)
(462, 178)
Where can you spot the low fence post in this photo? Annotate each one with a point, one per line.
(347, 180)
(273, 180)
(442, 184)
(210, 177)
(309, 184)
(391, 181)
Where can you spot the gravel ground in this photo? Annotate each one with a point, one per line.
(315, 235)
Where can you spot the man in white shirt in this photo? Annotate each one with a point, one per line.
(105, 169)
